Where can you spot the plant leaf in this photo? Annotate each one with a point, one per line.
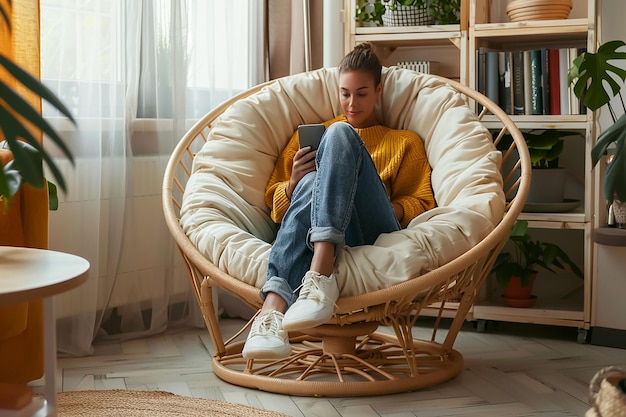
(5, 16)
(615, 174)
(10, 181)
(24, 109)
(53, 197)
(34, 176)
(27, 155)
(34, 85)
(595, 72)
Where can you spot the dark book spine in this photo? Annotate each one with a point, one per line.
(480, 73)
(492, 78)
(545, 81)
(518, 82)
(505, 96)
(536, 97)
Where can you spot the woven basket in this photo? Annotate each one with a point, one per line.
(606, 398)
(524, 10)
(406, 16)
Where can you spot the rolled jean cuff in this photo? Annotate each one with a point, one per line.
(280, 287)
(325, 234)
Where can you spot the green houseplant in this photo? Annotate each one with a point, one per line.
(527, 257)
(545, 147)
(596, 81)
(444, 12)
(17, 121)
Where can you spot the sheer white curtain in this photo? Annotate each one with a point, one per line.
(135, 74)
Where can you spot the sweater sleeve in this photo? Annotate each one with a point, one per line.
(411, 187)
(275, 192)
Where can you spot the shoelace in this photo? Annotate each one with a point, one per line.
(310, 290)
(266, 324)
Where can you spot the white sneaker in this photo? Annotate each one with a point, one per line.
(315, 304)
(267, 339)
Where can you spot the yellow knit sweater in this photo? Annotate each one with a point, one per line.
(399, 157)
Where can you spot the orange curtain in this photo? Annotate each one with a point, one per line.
(21, 43)
(25, 223)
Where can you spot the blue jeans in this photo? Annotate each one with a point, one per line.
(344, 202)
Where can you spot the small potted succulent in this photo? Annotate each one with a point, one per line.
(596, 81)
(516, 271)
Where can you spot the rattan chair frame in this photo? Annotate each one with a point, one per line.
(351, 355)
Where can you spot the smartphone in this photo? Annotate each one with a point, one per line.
(311, 135)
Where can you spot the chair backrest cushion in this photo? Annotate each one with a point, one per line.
(225, 216)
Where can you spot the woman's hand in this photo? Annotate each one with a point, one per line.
(398, 210)
(303, 163)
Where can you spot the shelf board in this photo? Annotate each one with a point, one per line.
(536, 30)
(550, 311)
(410, 35)
(573, 121)
(441, 30)
(570, 220)
(610, 236)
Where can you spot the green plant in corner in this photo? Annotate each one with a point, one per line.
(17, 118)
(444, 12)
(544, 146)
(527, 256)
(596, 81)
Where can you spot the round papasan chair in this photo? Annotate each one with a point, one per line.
(213, 198)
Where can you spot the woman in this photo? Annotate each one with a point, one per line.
(365, 179)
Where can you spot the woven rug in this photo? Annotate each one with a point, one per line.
(149, 404)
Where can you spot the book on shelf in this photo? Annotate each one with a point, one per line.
(564, 97)
(529, 82)
(425, 67)
(554, 81)
(505, 96)
(517, 67)
(536, 89)
(492, 78)
(545, 81)
(480, 74)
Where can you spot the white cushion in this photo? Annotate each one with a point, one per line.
(224, 212)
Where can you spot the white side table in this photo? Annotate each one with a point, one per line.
(28, 274)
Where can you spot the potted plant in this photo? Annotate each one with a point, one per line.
(518, 269)
(596, 81)
(418, 12)
(17, 121)
(548, 178)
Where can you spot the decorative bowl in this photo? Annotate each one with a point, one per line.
(524, 10)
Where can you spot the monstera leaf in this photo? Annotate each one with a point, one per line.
(594, 72)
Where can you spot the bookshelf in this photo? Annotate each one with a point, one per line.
(563, 299)
(445, 46)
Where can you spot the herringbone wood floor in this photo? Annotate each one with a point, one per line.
(510, 370)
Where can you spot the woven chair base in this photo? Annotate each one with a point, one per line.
(375, 364)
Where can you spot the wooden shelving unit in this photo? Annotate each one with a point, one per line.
(565, 300)
(569, 302)
(444, 44)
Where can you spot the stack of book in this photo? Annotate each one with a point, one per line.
(424, 67)
(531, 82)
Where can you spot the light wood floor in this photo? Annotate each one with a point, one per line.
(510, 370)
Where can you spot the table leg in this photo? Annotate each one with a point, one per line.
(50, 355)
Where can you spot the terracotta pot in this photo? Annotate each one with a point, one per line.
(516, 295)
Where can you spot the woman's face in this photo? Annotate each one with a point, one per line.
(358, 97)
